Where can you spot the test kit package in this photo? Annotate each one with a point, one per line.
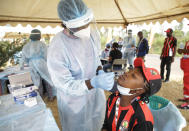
(21, 87)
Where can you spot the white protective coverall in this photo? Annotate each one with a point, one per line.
(34, 53)
(71, 62)
(128, 50)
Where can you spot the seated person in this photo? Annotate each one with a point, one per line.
(127, 110)
(114, 54)
(106, 52)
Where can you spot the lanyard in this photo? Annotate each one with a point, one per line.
(117, 109)
(140, 42)
(168, 42)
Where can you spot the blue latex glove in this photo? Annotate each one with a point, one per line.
(103, 80)
(100, 72)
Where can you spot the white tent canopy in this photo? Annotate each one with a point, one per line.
(107, 12)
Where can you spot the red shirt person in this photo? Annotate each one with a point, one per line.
(184, 64)
(168, 54)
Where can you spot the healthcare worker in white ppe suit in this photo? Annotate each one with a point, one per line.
(34, 53)
(73, 62)
(129, 47)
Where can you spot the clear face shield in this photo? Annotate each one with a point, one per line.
(81, 27)
(129, 34)
(84, 27)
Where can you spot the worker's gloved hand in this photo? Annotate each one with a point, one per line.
(103, 80)
(100, 72)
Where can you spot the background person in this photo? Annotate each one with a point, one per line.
(73, 60)
(142, 47)
(115, 53)
(168, 53)
(184, 63)
(34, 53)
(129, 45)
(106, 52)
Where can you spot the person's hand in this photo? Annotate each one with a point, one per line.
(180, 51)
(100, 72)
(103, 80)
(172, 60)
(98, 68)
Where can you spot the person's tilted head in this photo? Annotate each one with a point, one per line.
(140, 81)
(131, 83)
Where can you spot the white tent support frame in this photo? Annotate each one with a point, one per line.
(107, 12)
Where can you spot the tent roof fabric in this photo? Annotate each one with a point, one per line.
(107, 12)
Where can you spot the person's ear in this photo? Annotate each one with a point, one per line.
(137, 91)
(140, 91)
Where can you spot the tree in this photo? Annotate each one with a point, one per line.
(157, 44)
(145, 33)
(8, 49)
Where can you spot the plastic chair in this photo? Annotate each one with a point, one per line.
(166, 115)
(122, 62)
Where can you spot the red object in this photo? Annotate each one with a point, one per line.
(185, 104)
(184, 64)
(169, 43)
(150, 73)
(169, 30)
(187, 47)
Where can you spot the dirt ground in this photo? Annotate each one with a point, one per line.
(171, 91)
(153, 60)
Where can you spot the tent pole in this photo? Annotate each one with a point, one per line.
(117, 4)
